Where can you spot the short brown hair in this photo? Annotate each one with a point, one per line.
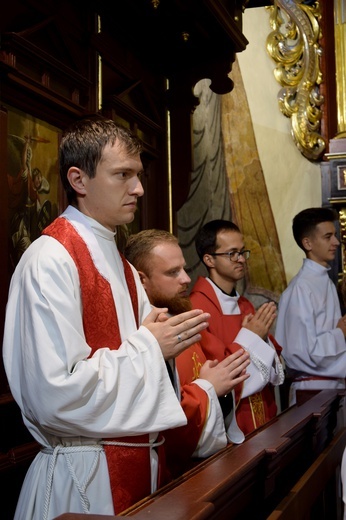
(139, 246)
(82, 145)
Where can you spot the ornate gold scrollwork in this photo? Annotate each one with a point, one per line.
(342, 221)
(294, 46)
(341, 285)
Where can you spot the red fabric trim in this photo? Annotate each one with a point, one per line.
(129, 468)
(181, 442)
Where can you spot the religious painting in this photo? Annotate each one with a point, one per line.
(33, 179)
(341, 169)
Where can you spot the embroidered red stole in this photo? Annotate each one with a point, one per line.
(129, 467)
(252, 411)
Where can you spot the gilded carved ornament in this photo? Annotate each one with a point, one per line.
(294, 46)
(342, 276)
(340, 63)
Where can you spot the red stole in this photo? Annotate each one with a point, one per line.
(218, 342)
(181, 442)
(129, 467)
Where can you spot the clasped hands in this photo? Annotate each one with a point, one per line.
(176, 333)
(262, 320)
(226, 374)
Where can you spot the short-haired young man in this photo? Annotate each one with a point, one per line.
(309, 326)
(235, 323)
(84, 351)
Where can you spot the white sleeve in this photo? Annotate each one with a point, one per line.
(265, 366)
(219, 431)
(234, 433)
(307, 331)
(277, 374)
(53, 379)
(213, 437)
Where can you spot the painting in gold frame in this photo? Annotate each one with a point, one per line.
(341, 169)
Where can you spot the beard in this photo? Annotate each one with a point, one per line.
(176, 305)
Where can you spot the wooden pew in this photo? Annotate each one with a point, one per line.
(310, 492)
(248, 480)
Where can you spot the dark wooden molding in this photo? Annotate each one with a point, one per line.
(328, 85)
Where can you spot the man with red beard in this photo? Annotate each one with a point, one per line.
(204, 387)
(235, 324)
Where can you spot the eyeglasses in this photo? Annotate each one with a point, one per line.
(234, 255)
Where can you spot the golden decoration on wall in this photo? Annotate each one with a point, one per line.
(294, 46)
(342, 276)
(340, 62)
(342, 220)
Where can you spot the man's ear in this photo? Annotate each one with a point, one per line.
(208, 260)
(143, 278)
(306, 243)
(76, 178)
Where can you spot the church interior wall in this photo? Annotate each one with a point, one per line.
(293, 182)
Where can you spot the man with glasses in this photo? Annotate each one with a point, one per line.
(235, 324)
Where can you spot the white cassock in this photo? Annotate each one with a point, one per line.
(67, 398)
(306, 328)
